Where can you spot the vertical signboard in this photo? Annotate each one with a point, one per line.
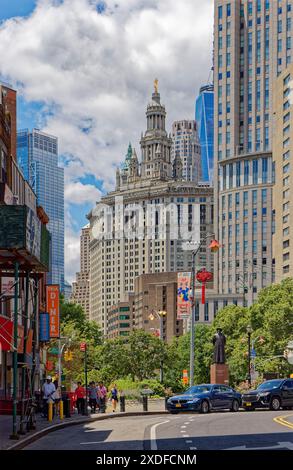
(183, 295)
(52, 296)
(44, 327)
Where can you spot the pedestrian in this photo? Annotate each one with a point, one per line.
(80, 398)
(57, 396)
(48, 395)
(114, 397)
(102, 392)
(93, 396)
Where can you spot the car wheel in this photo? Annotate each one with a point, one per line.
(235, 406)
(204, 407)
(275, 404)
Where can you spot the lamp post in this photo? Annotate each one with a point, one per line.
(249, 331)
(160, 315)
(192, 326)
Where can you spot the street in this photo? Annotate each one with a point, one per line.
(216, 431)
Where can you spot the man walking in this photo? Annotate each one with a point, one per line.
(93, 396)
(49, 391)
(80, 398)
(102, 392)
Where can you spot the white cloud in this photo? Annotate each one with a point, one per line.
(78, 193)
(96, 72)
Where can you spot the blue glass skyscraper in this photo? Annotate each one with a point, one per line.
(204, 116)
(37, 155)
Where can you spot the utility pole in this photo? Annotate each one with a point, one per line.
(192, 323)
(249, 330)
(14, 434)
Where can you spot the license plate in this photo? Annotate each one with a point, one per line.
(247, 404)
(178, 405)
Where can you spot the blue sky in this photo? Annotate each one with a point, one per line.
(11, 8)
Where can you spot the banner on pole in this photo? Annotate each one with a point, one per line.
(52, 296)
(44, 327)
(183, 295)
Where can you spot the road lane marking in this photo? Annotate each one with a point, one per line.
(187, 422)
(154, 445)
(183, 427)
(88, 443)
(282, 420)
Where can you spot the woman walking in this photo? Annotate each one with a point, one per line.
(114, 397)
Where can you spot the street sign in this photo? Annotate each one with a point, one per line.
(83, 347)
(53, 351)
(253, 353)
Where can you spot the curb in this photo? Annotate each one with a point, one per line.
(37, 435)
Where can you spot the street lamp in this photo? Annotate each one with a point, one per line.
(249, 331)
(160, 315)
(214, 246)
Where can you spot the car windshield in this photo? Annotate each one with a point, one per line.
(270, 384)
(199, 389)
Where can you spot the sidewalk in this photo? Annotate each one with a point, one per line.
(131, 406)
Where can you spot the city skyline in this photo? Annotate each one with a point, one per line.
(86, 142)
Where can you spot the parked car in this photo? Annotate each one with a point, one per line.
(205, 398)
(272, 394)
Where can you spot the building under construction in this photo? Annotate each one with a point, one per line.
(24, 262)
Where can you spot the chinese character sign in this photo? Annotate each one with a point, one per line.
(52, 292)
(183, 296)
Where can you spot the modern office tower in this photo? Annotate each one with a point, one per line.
(282, 193)
(67, 291)
(252, 46)
(186, 145)
(204, 116)
(37, 155)
(139, 228)
(81, 287)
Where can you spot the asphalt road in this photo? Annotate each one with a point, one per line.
(225, 430)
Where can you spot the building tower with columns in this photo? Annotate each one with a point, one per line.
(132, 228)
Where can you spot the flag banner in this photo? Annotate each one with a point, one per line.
(183, 295)
(52, 296)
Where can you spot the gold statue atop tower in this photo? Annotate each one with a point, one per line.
(156, 85)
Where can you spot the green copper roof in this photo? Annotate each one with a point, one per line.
(128, 156)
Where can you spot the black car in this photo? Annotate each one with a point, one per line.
(272, 394)
(204, 398)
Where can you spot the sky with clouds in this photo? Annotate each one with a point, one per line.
(84, 71)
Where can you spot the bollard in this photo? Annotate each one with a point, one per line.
(122, 404)
(145, 403)
(166, 401)
(61, 410)
(67, 414)
(50, 411)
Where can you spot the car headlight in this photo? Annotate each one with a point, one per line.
(263, 394)
(195, 400)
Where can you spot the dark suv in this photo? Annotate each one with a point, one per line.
(272, 394)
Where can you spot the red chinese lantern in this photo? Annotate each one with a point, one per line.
(214, 246)
(203, 276)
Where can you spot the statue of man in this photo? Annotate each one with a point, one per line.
(219, 342)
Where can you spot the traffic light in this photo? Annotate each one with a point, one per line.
(68, 355)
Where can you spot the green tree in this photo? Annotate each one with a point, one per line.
(145, 353)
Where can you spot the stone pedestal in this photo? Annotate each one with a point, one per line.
(220, 374)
